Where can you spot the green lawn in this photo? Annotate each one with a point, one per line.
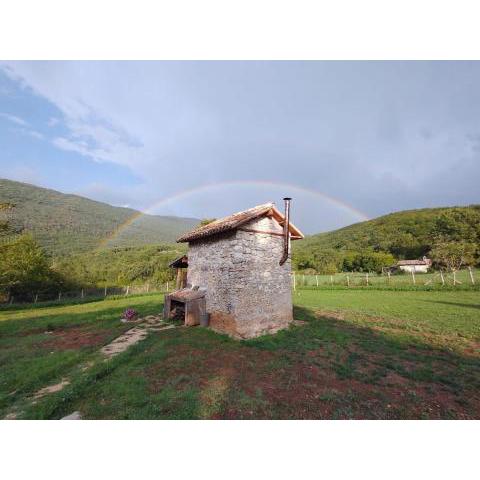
(358, 354)
(448, 313)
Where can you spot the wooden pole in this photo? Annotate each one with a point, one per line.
(179, 279)
(471, 275)
(441, 276)
(105, 290)
(331, 280)
(294, 282)
(367, 278)
(36, 298)
(11, 299)
(388, 273)
(167, 286)
(83, 293)
(316, 278)
(413, 276)
(128, 289)
(59, 295)
(454, 277)
(348, 280)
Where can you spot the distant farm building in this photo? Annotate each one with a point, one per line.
(420, 266)
(239, 275)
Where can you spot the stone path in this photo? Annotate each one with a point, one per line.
(51, 389)
(151, 323)
(73, 416)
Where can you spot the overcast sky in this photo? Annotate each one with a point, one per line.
(347, 140)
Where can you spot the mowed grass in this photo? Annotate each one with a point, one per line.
(356, 354)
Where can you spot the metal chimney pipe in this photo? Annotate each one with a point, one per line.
(286, 231)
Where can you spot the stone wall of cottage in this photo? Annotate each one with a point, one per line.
(247, 292)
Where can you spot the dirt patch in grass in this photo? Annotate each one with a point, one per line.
(75, 338)
(332, 381)
(32, 331)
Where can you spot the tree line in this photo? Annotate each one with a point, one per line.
(25, 268)
(449, 236)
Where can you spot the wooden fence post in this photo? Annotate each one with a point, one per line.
(413, 275)
(36, 298)
(128, 289)
(348, 280)
(388, 273)
(59, 295)
(471, 275)
(83, 294)
(454, 278)
(441, 276)
(11, 299)
(366, 277)
(105, 293)
(331, 280)
(316, 278)
(294, 282)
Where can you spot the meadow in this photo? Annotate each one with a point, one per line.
(358, 353)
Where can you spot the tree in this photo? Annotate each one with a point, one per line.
(462, 225)
(5, 228)
(453, 255)
(24, 268)
(369, 261)
(206, 221)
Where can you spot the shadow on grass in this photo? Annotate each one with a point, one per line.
(455, 304)
(327, 368)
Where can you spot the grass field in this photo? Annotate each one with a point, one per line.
(358, 354)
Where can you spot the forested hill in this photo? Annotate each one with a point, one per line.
(406, 234)
(65, 224)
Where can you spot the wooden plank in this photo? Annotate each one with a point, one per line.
(264, 232)
(269, 232)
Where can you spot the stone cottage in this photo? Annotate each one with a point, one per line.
(241, 263)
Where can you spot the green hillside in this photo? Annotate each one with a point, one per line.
(65, 224)
(121, 265)
(405, 235)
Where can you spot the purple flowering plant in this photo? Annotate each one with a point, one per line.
(130, 314)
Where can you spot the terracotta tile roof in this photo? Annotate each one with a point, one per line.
(234, 221)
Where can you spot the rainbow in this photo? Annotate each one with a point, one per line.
(243, 183)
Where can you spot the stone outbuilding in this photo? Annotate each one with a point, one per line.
(241, 264)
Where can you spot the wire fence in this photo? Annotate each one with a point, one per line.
(299, 280)
(88, 293)
(467, 276)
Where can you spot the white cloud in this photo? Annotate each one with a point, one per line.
(28, 132)
(372, 134)
(52, 121)
(14, 119)
(35, 134)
